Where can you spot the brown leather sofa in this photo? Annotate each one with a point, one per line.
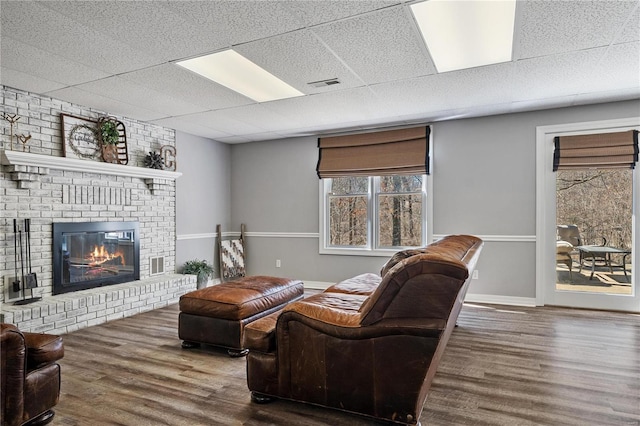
(368, 345)
(30, 376)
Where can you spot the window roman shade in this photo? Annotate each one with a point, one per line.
(390, 152)
(604, 150)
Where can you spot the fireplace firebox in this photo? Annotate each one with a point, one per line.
(94, 254)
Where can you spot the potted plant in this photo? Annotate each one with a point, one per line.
(109, 137)
(200, 268)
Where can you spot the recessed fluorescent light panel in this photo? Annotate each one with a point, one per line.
(466, 34)
(239, 74)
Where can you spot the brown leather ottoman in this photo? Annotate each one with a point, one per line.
(217, 315)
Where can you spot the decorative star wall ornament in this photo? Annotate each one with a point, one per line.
(153, 160)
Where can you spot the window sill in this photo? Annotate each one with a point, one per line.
(359, 252)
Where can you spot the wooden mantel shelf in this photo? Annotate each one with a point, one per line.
(73, 164)
(26, 167)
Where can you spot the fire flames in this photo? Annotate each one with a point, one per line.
(100, 255)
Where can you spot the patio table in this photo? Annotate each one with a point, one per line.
(605, 253)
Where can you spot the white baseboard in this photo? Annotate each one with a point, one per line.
(500, 300)
(317, 285)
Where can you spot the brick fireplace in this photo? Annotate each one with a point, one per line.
(46, 187)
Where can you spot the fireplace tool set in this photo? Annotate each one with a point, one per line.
(29, 279)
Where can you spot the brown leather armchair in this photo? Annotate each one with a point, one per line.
(30, 376)
(371, 344)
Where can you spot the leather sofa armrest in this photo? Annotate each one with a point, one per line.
(260, 335)
(42, 349)
(12, 354)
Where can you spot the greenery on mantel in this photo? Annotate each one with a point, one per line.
(109, 132)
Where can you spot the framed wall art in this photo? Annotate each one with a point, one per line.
(80, 138)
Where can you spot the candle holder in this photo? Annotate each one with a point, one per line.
(23, 140)
(12, 119)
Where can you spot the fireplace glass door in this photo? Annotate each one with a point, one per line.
(95, 257)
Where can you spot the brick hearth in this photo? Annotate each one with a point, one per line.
(72, 311)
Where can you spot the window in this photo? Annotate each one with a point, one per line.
(373, 214)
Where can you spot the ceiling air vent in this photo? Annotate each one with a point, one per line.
(324, 83)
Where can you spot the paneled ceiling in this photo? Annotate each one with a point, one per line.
(118, 57)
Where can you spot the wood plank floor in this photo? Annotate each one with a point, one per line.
(503, 366)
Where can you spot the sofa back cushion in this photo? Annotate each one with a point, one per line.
(398, 257)
(425, 284)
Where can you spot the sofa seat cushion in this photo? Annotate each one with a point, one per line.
(363, 284)
(241, 298)
(339, 309)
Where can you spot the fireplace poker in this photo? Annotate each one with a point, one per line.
(16, 281)
(31, 278)
(21, 260)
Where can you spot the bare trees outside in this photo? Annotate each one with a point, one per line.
(599, 202)
(348, 202)
(398, 214)
(400, 211)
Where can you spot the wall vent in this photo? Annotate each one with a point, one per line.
(324, 83)
(156, 265)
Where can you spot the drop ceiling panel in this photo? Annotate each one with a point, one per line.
(188, 126)
(103, 104)
(550, 27)
(320, 111)
(447, 91)
(382, 46)
(222, 121)
(237, 22)
(535, 104)
(317, 12)
(299, 58)
(28, 82)
(143, 97)
(179, 83)
(36, 25)
(608, 96)
(631, 29)
(260, 116)
(135, 23)
(620, 67)
(546, 77)
(29, 59)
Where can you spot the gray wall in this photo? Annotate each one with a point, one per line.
(484, 184)
(203, 196)
(275, 190)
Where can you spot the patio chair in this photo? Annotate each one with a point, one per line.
(563, 255)
(571, 234)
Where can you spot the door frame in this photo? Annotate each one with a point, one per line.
(546, 221)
